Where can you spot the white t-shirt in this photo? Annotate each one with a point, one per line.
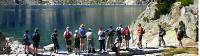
(100, 37)
(89, 35)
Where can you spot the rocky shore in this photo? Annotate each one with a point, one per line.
(170, 21)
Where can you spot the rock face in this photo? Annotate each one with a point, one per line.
(169, 22)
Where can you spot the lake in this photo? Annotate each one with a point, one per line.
(15, 19)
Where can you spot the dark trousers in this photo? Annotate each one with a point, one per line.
(102, 45)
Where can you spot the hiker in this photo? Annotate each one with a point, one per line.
(180, 35)
(36, 40)
(82, 32)
(162, 33)
(101, 34)
(55, 41)
(26, 41)
(77, 42)
(111, 33)
(90, 39)
(140, 32)
(119, 30)
(127, 36)
(68, 39)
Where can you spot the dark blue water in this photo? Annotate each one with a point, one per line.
(15, 19)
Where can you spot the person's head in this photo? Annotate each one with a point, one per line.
(36, 30)
(89, 29)
(26, 31)
(76, 31)
(101, 28)
(55, 30)
(111, 26)
(67, 29)
(126, 27)
(139, 25)
(120, 25)
(159, 26)
(82, 25)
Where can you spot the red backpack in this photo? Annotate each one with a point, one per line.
(68, 35)
(126, 32)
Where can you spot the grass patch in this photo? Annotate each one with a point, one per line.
(173, 51)
(186, 2)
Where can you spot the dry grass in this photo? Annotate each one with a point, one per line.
(173, 51)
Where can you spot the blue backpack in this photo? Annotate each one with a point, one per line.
(82, 32)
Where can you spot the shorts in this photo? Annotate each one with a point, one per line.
(68, 42)
(119, 39)
(36, 44)
(27, 43)
(127, 37)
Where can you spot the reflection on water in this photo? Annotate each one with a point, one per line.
(14, 20)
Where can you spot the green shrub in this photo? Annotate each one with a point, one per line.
(163, 7)
(186, 2)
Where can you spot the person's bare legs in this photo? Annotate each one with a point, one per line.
(180, 43)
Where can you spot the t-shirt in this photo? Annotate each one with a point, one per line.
(101, 37)
(89, 35)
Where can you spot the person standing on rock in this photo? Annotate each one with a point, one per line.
(36, 40)
(77, 42)
(90, 41)
(26, 41)
(101, 34)
(180, 35)
(111, 33)
(82, 32)
(140, 32)
(162, 32)
(127, 36)
(55, 41)
(119, 30)
(68, 38)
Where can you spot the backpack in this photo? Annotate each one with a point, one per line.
(110, 32)
(126, 32)
(119, 32)
(143, 31)
(67, 35)
(102, 34)
(36, 37)
(82, 32)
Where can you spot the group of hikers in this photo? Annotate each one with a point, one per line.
(84, 36)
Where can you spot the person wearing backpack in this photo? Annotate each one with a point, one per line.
(140, 32)
(180, 35)
(119, 30)
(55, 40)
(162, 33)
(82, 32)
(126, 34)
(77, 42)
(36, 40)
(26, 41)
(111, 33)
(90, 41)
(101, 35)
(68, 39)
